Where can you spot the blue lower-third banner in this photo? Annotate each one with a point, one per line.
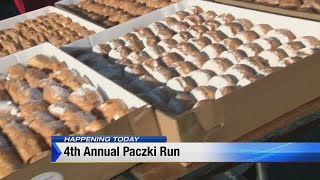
(102, 152)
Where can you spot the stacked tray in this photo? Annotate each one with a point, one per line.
(43, 94)
(48, 24)
(108, 13)
(196, 63)
(307, 9)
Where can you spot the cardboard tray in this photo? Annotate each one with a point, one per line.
(10, 22)
(132, 124)
(271, 9)
(247, 109)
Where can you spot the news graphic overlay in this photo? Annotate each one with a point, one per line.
(111, 149)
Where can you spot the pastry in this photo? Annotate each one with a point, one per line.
(217, 65)
(144, 84)
(56, 94)
(120, 52)
(184, 48)
(180, 15)
(44, 62)
(309, 41)
(102, 49)
(154, 51)
(268, 43)
(33, 106)
(4, 96)
(151, 65)
(47, 82)
(182, 37)
(261, 29)
(116, 43)
(113, 109)
(200, 43)
(143, 32)
(292, 47)
(149, 41)
(245, 23)
(221, 81)
(69, 78)
(78, 122)
(197, 30)
(208, 15)
(13, 86)
(27, 95)
(246, 81)
(169, 59)
(215, 36)
(87, 98)
(163, 74)
(288, 61)
(214, 50)
(203, 93)
(133, 71)
(179, 27)
(240, 70)
(20, 135)
(247, 36)
(232, 43)
(62, 110)
(233, 56)
(194, 10)
(212, 24)
(291, 4)
(273, 56)
(201, 77)
(231, 29)
(167, 44)
(283, 35)
(251, 49)
(194, 20)
(259, 64)
(181, 84)
(224, 91)
(8, 108)
(183, 68)
(225, 18)
(17, 71)
(181, 103)
(34, 76)
(197, 58)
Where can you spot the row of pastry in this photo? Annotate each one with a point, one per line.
(196, 55)
(109, 13)
(45, 98)
(53, 28)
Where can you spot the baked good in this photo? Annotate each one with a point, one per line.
(62, 110)
(261, 29)
(69, 78)
(290, 4)
(181, 103)
(13, 86)
(234, 56)
(215, 36)
(292, 47)
(34, 76)
(283, 35)
(152, 64)
(154, 51)
(102, 49)
(225, 18)
(2, 81)
(221, 81)
(27, 95)
(201, 77)
(247, 36)
(208, 15)
(182, 37)
(194, 19)
(232, 43)
(143, 32)
(203, 93)
(20, 135)
(8, 108)
(184, 49)
(45, 63)
(288, 61)
(214, 50)
(245, 23)
(4, 96)
(17, 71)
(144, 83)
(212, 24)
(183, 68)
(194, 10)
(268, 43)
(259, 64)
(246, 81)
(200, 43)
(251, 49)
(240, 71)
(163, 74)
(149, 41)
(78, 122)
(33, 106)
(273, 56)
(170, 59)
(56, 94)
(309, 41)
(120, 52)
(181, 84)
(179, 26)
(197, 58)
(231, 29)
(167, 44)
(224, 91)
(197, 30)
(113, 109)
(217, 65)
(133, 71)
(180, 15)
(116, 43)
(86, 98)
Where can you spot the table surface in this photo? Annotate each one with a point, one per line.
(280, 129)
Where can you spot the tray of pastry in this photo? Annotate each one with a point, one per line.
(47, 24)
(217, 70)
(108, 13)
(306, 9)
(44, 92)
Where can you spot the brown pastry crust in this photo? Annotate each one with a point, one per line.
(17, 71)
(44, 62)
(217, 65)
(34, 76)
(113, 109)
(33, 106)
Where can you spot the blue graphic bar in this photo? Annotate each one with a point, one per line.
(111, 139)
